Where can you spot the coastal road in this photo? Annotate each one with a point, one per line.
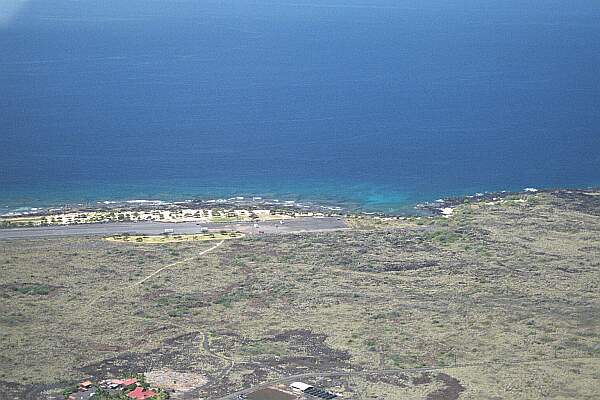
(296, 225)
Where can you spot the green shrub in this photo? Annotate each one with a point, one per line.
(33, 289)
(70, 390)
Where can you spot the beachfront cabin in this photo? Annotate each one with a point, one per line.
(300, 387)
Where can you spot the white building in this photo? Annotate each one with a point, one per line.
(300, 387)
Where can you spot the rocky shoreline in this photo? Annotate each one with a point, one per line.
(252, 208)
(585, 198)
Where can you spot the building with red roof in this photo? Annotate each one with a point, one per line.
(140, 394)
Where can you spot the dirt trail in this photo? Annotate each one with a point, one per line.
(158, 271)
(206, 342)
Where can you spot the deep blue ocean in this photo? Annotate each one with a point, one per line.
(377, 104)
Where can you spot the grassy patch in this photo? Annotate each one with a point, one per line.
(164, 239)
(33, 289)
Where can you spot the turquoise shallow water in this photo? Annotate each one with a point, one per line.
(352, 198)
(374, 105)
(365, 197)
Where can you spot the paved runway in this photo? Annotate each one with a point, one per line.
(308, 224)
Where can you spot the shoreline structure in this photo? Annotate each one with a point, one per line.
(237, 209)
